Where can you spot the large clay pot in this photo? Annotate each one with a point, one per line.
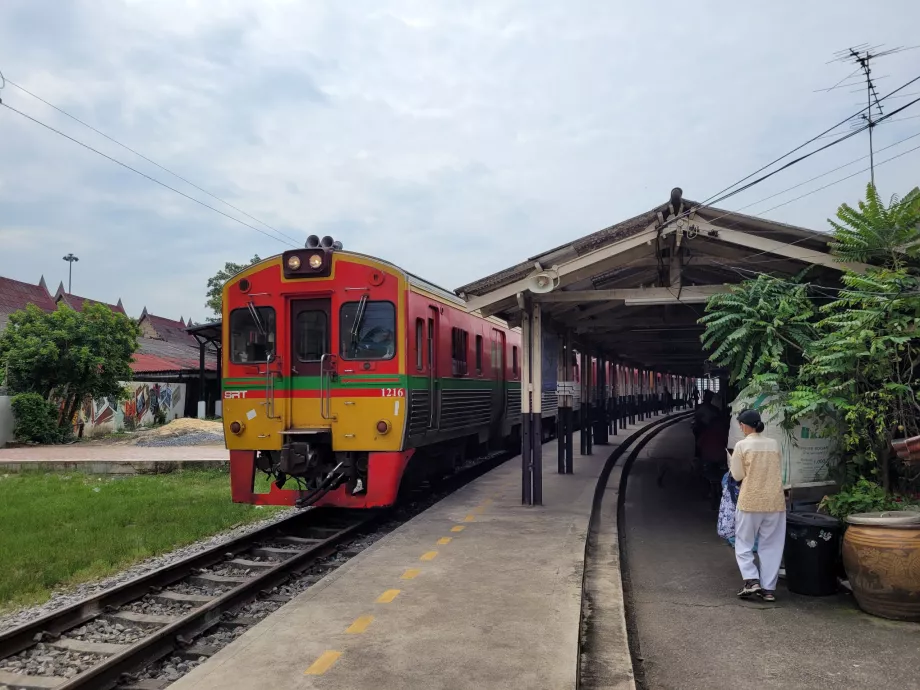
(881, 554)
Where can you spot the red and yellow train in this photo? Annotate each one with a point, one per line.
(344, 374)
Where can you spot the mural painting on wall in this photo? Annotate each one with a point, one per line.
(146, 400)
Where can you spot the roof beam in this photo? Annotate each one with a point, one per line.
(758, 243)
(637, 296)
(569, 271)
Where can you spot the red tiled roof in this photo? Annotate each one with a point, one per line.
(76, 302)
(15, 295)
(170, 330)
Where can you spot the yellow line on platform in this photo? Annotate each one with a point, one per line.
(469, 518)
(411, 573)
(457, 528)
(388, 596)
(429, 556)
(360, 625)
(323, 664)
(444, 540)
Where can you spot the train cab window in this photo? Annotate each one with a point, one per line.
(478, 354)
(252, 335)
(419, 344)
(367, 330)
(514, 361)
(312, 334)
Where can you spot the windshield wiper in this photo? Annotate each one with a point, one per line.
(258, 321)
(356, 327)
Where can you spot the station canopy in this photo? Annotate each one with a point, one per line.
(636, 290)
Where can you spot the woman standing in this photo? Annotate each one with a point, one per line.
(761, 514)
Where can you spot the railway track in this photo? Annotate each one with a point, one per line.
(107, 639)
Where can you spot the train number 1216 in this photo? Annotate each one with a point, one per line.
(393, 392)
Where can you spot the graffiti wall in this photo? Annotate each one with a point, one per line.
(147, 403)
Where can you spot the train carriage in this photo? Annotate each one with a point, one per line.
(344, 374)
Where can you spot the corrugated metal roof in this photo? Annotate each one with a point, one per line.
(159, 356)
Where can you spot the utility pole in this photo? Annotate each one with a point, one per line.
(70, 258)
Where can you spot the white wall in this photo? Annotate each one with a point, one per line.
(6, 420)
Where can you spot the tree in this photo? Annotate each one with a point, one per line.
(760, 330)
(876, 234)
(216, 283)
(67, 355)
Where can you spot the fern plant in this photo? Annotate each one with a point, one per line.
(760, 329)
(862, 367)
(876, 234)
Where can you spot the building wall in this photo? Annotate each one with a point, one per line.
(6, 420)
(106, 415)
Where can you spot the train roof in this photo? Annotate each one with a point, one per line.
(427, 285)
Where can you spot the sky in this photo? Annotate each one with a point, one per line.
(451, 138)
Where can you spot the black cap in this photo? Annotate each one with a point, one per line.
(750, 417)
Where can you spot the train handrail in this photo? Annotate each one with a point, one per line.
(325, 401)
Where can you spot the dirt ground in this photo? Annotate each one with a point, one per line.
(176, 428)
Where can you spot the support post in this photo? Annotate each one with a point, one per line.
(202, 383)
(600, 407)
(526, 431)
(566, 405)
(536, 364)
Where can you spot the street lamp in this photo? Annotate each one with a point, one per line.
(70, 258)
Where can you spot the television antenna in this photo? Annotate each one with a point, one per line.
(862, 56)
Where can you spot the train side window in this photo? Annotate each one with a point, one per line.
(419, 344)
(479, 354)
(252, 335)
(368, 333)
(458, 351)
(514, 360)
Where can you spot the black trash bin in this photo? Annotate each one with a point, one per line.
(811, 553)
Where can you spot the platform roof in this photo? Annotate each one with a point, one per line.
(636, 289)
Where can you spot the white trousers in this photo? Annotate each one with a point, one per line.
(771, 528)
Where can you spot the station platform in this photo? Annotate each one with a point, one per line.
(692, 632)
(476, 592)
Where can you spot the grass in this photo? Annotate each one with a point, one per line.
(58, 530)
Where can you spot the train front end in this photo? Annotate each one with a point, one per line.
(314, 379)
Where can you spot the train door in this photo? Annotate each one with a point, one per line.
(498, 373)
(434, 383)
(310, 361)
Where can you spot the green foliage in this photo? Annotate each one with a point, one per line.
(760, 329)
(862, 366)
(216, 283)
(68, 355)
(864, 496)
(34, 419)
(876, 234)
(850, 364)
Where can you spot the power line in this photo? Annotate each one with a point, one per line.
(142, 174)
(710, 201)
(149, 160)
(833, 170)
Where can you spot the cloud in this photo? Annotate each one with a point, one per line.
(453, 139)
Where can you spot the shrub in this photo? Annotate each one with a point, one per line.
(862, 497)
(35, 419)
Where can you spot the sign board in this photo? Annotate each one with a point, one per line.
(806, 455)
(572, 388)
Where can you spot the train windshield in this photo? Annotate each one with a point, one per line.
(368, 330)
(252, 335)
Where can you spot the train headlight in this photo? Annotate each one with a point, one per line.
(236, 427)
(294, 263)
(383, 426)
(315, 261)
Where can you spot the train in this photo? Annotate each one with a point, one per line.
(345, 377)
